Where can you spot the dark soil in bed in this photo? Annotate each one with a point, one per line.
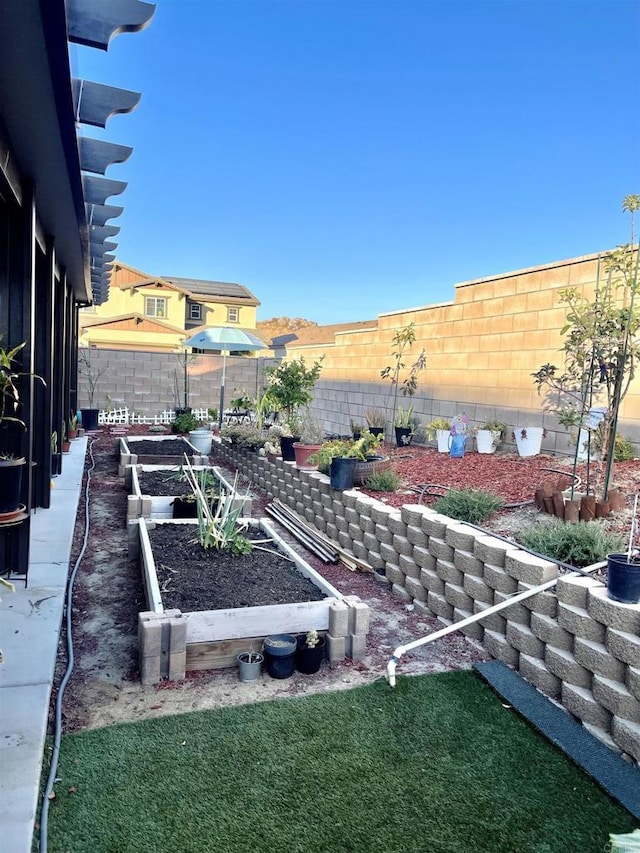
(193, 579)
(166, 447)
(164, 483)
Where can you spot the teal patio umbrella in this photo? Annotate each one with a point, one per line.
(224, 339)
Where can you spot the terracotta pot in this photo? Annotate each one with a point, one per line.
(302, 453)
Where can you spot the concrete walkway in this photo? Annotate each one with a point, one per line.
(30, 620)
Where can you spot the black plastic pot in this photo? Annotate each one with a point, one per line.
(89, 419)
(376, 430)
(280, 655)
(309, 661)
(56, 464)
(183, 508)
(286, 447)
(623, 578)
(403, 436)
(342, 473)
(183, 410)
(10, 484)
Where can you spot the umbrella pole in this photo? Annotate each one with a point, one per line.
(224, 371)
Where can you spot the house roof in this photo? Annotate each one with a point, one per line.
(223, 289)
(125, 321)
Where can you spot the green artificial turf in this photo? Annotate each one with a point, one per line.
(435, 765)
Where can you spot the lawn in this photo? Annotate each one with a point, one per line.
(437, 764)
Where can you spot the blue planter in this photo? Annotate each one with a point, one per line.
(342, 473)
(280, 655)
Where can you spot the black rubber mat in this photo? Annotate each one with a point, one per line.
(619, 779)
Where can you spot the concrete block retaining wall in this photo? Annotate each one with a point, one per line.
(572, 643)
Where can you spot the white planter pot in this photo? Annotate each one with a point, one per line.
(443, 438)
(487, 440)
(530, 443)
(201, 440)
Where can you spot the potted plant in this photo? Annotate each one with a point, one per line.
(311, 437)
(376, 420)
(403, 426)
(529, 439)
(91, 375)
(289, 388)
(11, 465)
(249, 665)
(310, 652)
(280, 655)
(184, 423)
(272, 446)
(56, 458)
(66, 444)
(356, 428)
(439, 428)
(489, 436)
(623, 570)
(73, 426)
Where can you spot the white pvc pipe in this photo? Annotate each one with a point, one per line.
(477, 617)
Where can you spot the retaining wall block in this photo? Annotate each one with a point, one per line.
(578, 622)
(602, 735)
(431, 582)
(516, 612)
(412, 514)
(344, 540)
(359, 550)
(579, 701)
(299, 507)
(535, 671)
(596, 658)
(626, 734)
(399, 591)
(421, 608)
(415, 589)
(367, 524)
(408, 566)
(460, 537)
(543, 602)
(475, 630)
(417, 536)
(355, 532)
(494, 622)
(359, 615)
(498, 647)
(456, 596)
(134, 509)
(613, 614)
(338, 507)
(624, 646)
(468, 564)
(349, 497)
(563, 664)
(423, 558)
(375, 560)
(477, 588)
(440, 550)
(329, 517)
(320, 523)
(364, 504)
(615, 697)
(370, 541)
(394, 574)
(402, 545)
(341, 524)
(529, 569)
(383, 534)
(331, 531)
(380, 513)
(439, 605)
(632, 680)
(572, 589)
(396, 525)
(446, 570)
(498, 579)
(491, 550)
(547, 629)
(435, 524)
(522, 639)
(336, 648)
(326, 501)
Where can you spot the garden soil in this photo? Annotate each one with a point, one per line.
(104, 687)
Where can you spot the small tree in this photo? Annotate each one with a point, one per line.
(290, 384)
(601, 348)
(90, 372)
(402, 341)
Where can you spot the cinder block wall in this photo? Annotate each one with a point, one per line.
(146, 381)
(572, 643)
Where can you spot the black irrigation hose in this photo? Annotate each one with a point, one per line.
(57, 734)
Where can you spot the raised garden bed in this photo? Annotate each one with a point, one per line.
(228, 604)
(157, 450)
(153, 488)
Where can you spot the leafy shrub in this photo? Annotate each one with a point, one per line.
(571, 542)
(623, 449)
(383, 481)
(184, 423)
(472, 505)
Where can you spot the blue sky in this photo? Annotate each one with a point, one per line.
(343, 158)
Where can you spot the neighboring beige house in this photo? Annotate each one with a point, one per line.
(144, 312)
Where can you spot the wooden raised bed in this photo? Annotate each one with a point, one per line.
(211, 639)
(130, 456)
(142, 505)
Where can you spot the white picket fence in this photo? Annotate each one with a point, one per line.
(122, 415)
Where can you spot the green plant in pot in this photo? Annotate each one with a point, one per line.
(403, 423)
(289, 387)
(184, 423)
(311, 438)
(489, 436)
(310, 652)
(11, 464)
(91, 373)
(439, 429)
(376, 419)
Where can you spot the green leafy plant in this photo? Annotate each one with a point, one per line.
(184, 423)
(212, 412)
(312, 639)
(348, 448)
(402, 341)
(244, 435)
(311, 430)
(622, 447)
(472, 505)
(496, 427)
(433, 426)
(219, 524)
(243, 402)
(403, 417)
(290, 384)
(383, 481)
(9, 377)
(573, 543)
(375, 417)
